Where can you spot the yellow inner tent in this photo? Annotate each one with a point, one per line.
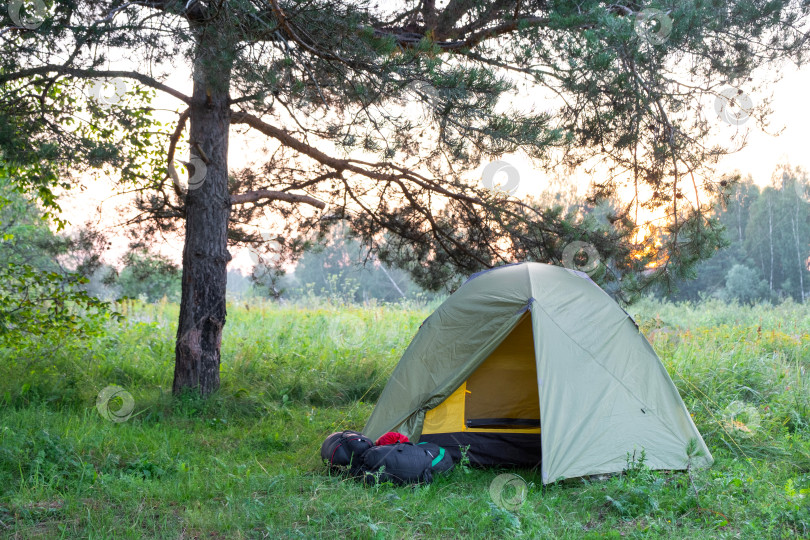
(500, 395)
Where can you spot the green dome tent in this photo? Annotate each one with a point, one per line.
(535, 365)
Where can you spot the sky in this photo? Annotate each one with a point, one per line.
(791, 115)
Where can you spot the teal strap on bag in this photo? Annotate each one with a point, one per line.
(439, 458)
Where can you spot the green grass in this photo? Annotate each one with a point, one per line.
(245, 463)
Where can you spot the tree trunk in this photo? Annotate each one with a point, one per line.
(207, 205)
(770, 241)
(794, 223)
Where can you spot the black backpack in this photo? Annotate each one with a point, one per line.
(343, 450)
(442, 460)
(400, 463)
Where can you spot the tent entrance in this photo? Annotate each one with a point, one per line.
(496, 411)
(502, 392)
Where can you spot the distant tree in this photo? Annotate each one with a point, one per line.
(26, 237)
(147, 275)
(239, 285)
(777, 237)
(29, 240)
(342, 268)
(796, 203)
(745, 285)
(762, 236)
(731, 210)
(767, 232)
(736, 209)
(325, 83)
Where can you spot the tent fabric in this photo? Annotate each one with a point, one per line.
(603, 392)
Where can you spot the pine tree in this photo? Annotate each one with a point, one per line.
(326, 83)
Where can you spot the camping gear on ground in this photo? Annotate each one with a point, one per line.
(397, 462)
(391, 437)
(442, 459)
(343, 450)
(400, 463)
(531, 348)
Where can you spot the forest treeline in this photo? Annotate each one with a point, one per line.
(767, 233)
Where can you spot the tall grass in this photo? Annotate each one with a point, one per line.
(329, 355)
(737, 366)
(244, 464)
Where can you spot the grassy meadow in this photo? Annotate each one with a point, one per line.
(245, 463)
